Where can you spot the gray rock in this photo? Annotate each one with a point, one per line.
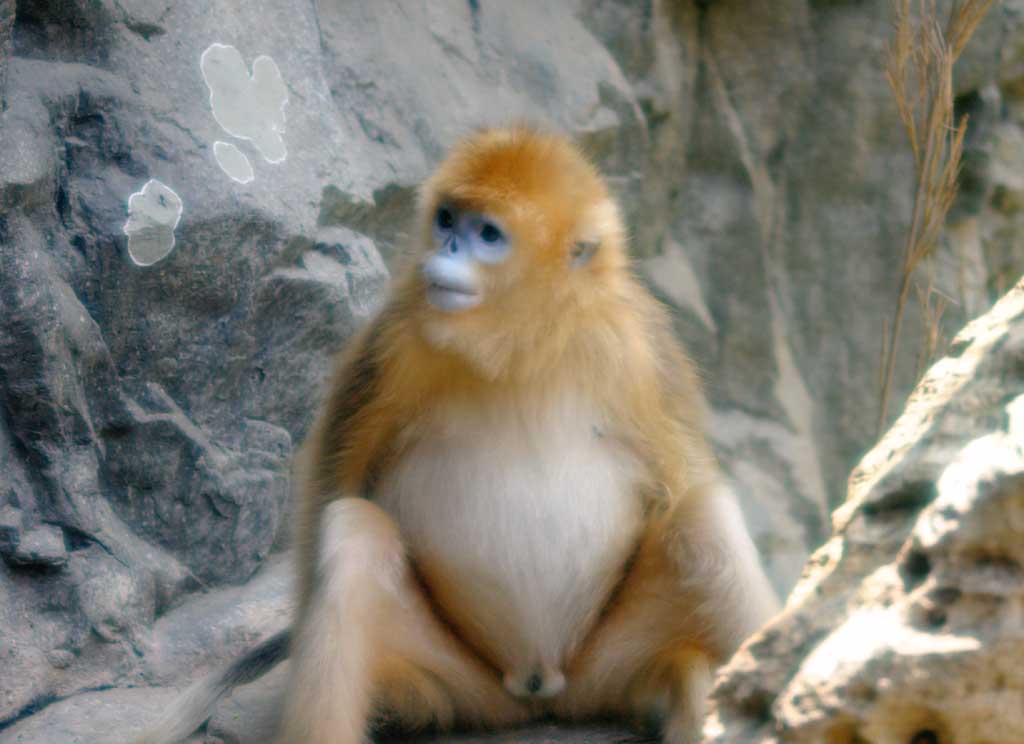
(42, 546)
(105, 717)
(10, 530)
(218, 506)
(215, 628)
(6, 46)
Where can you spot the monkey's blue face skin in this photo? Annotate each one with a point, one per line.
(462, 241)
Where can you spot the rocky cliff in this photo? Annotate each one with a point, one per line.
(199, 202)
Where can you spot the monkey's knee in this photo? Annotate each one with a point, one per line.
(359, 542)
(686, 721)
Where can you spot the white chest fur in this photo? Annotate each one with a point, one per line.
(529, 513)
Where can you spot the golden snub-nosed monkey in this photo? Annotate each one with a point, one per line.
(508, 507)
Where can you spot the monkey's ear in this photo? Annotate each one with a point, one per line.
(582, 251)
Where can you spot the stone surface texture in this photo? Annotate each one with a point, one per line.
(148, 414)
(907, 625)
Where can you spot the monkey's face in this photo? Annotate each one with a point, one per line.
(465, 242)
(498, 222)
(517, 237)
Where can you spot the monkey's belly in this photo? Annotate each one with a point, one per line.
(520, 531)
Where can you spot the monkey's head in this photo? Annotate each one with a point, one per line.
(517, 232)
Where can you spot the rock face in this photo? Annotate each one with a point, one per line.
(906, 626)
(199, 203)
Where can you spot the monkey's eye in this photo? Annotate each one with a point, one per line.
(490, 243)
(445, 219)
(490, 233)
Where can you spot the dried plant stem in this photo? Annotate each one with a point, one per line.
(919, 68)
(933, 310)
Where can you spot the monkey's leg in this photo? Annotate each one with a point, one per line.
(695, 591)
(641, 662)
(368, 636)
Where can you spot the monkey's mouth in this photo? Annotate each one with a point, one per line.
(450, 296)
(451, 284)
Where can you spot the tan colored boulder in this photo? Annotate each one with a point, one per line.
(907, 626)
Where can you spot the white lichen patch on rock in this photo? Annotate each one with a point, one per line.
(247, 107)
(233, 162)
(153, 214)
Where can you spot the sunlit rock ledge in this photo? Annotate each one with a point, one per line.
(907, 626)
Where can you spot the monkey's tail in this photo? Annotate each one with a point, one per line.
(195, 705)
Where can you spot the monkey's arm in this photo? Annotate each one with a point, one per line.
(351, 563)
(702, 531)
(707, 545)
(346, 444)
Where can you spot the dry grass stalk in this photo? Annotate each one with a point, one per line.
(919, 68)
(933, 305)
